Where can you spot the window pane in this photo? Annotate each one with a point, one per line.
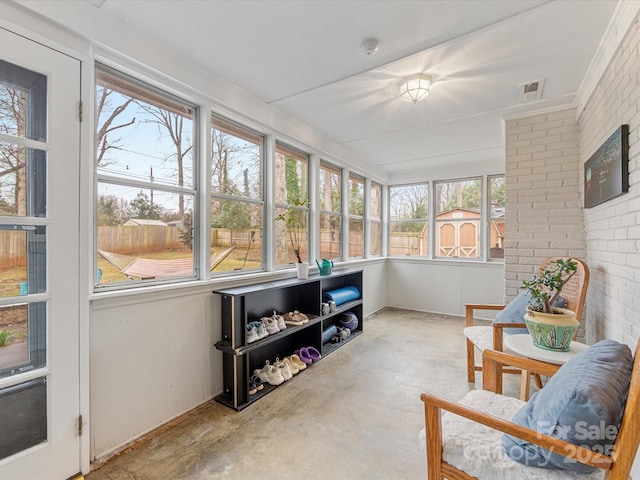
(330, 235)
(19, 197)
(408, 238)
(23, 102)
(239, 224)
(24, 412)
(291, 176)
(22, 260)
(236, 160)
(356, 196)
(22, 338)
(464, 194)
(375, 208)
(330, 189)
(458, 218)
(408, 220)
(498, 202)
(356, 237)
(376, 238)
(142, 134)
(142, 235)
(291, 238)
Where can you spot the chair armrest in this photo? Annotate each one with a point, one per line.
(493, 361)
(470, 307)
(434, 404)
(498, 333)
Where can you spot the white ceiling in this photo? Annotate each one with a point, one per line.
(303, 57)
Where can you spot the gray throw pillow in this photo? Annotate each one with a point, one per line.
(514, 313)
(582, 404)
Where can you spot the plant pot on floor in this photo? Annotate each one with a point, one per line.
(302, 269)
(552, 331)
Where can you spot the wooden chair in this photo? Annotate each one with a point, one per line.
(616, 466)
(491, 337)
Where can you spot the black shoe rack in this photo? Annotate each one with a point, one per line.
(246, 304)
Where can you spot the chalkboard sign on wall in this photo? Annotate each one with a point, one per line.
(606, 173)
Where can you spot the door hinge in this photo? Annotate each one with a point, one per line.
(80, 111)
(80, 425)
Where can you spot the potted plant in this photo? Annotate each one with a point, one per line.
(551, 326)
(295, 222)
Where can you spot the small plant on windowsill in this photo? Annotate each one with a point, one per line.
(295, 221)
(551, 327)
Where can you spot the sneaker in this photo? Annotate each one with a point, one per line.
(252, 333)
(270, 325)
(284, 369)
(261, 331)
(279, 321)
(270, 374)
(297, 362)
(255, 384)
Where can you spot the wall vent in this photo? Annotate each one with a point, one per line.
(531, 91)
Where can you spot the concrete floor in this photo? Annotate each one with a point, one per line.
(354, 415)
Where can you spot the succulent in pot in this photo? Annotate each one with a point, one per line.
(550, 327)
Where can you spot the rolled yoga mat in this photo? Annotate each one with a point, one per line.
(342, 295)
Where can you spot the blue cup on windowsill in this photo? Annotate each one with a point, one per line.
(24, 288)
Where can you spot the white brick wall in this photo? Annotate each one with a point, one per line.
(544, 208)
(613, 228)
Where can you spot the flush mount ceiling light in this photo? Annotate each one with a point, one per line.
(416, 88)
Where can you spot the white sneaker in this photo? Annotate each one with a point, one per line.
(284, 369)
(279, 320)
(270, 324)
(252, 333)
(261, 331)
(270, 374)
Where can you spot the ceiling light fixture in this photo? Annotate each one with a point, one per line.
(416, 88)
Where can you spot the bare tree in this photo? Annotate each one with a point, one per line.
(13, 105)
(173, 125)
(105, 123)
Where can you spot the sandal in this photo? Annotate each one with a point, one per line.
(303, 353)
(295, 318)
(314, 354)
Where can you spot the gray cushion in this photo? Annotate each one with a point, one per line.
(514, 313)
(582, 404)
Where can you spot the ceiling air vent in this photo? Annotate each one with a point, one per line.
(530, 91)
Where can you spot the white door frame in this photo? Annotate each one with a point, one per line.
(61, 456)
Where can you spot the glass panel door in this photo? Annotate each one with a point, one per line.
(39, 236)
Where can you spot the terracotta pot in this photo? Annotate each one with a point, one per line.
(552, 331)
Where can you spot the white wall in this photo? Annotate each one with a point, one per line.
(613, 228)
(152, 356)
(443, 286)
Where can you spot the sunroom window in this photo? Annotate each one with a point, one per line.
(291, 189)
(330, 188)
(237, 203)
(356, 216)
(375, 215)
(409, 220)
(146, 191)
(458, 218)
